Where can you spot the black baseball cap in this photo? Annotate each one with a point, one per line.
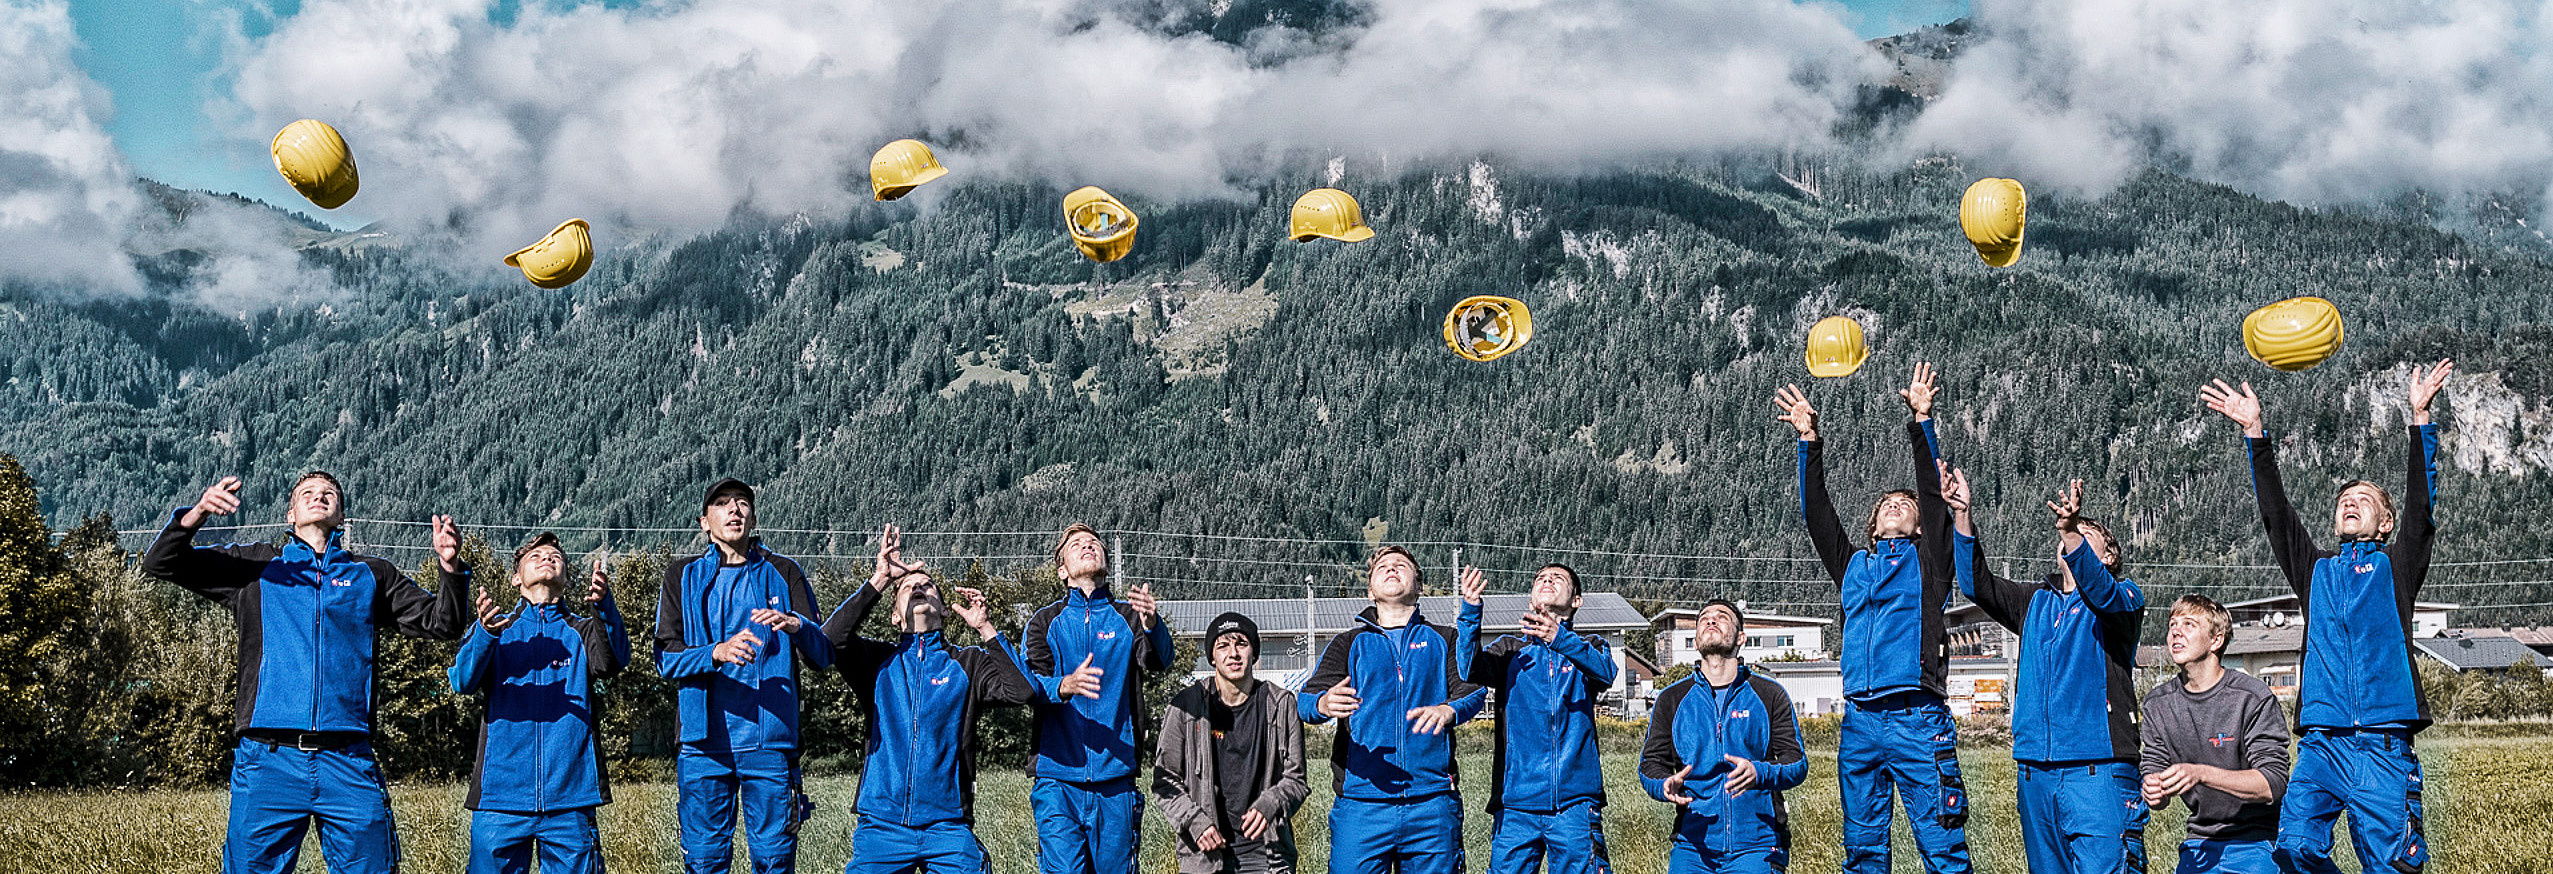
(730, 484)
(542, 539)
(1232, 623)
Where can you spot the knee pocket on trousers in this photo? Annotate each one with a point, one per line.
(1953, 801)
(2412, 853)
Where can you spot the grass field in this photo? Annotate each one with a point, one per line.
(2490, 810)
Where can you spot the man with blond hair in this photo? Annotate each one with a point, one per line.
(2216, 739)
(1087, 653)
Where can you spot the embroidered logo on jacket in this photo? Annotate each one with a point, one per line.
(2219, 740)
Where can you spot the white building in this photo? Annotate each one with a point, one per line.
(1769, 637)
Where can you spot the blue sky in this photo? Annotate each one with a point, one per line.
(161, 62)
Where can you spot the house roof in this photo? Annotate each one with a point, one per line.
(1602, 611)
(2246, 640)
(2539, 635)
(2470, 653)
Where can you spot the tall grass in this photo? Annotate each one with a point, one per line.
(2490, 810)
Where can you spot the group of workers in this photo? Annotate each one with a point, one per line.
(736, 626)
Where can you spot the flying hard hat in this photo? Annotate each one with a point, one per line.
(1328, 212)
(902, 166)
(315, 160)
(1483, 327)
(558, 259)
(1836, 348)
(1993, 213)
(1102, 227)
(2293, 334)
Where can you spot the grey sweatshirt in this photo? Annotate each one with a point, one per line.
(2238, 726)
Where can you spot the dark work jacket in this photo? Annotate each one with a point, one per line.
(1893, 593)
(1087, 740)
(1375, 756)
(1696, 724)
(309, 622)
(1546, 758)
(766, 689)
(2357, 670)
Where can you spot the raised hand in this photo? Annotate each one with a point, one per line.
(598, 587)
(1340, 702)
(1473, 584)
(219, 499)
(1147, 608)
(1796, 410)
(738, 650)
(1674, 788)
(1919, 391)
(1083, 681)
(1430, 720)
(2069, 508)
(2241, 406)
(447, 544)
(1538, 625)
(971, 609)
(1954, 487)
(890, 557)
(490, 617)
(777, 619)
(1741, 775)
(2425, 386)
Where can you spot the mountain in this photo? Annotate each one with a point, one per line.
(963, 369)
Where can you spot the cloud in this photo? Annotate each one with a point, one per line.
(65, 193)
(674, 116)
(2309, 101)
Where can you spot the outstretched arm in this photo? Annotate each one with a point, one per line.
(1817, 505)
(2288, 539)
(2418, 525)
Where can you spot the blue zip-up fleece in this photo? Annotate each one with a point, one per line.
(309, 621)
(538, 751)
(918, 697)
(1697, 724)
(750, 706)
(1087, 740)
(1546, 757)
(1375, 756)
(2357, 663)
(2075, 699)
(1895, 591)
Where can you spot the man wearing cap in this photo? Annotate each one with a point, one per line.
(1393, 684)
(731, 628)
(2358, 702)
(540, 773)
(1723, 744)
(2074, 732)
(919, 696)
(1898, 739)
(1546, 785)
(1229, 773)
(2217, 739)
(309, 614)
(1087, 653)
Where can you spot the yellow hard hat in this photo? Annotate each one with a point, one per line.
(1483, 327)
(1835, 347)
(1329, 212)
(1993, 213)
(902, 166)
(315, 160)
(2293, 334)
(558, 259)
(1102, 227)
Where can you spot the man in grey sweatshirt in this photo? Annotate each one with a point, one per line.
(2217, 739)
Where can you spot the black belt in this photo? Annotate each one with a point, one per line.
(306, 741)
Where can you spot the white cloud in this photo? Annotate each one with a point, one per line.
(673, 116)
(65, 193)
(2310, 101)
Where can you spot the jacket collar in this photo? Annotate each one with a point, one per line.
(1099, 594)
(334, 551)
(1372, 618)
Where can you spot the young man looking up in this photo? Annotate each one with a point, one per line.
(309, 613)
(2359, 693)
(1087, 654)
(1546, 785)
(721, 620)
(540, 773)
(2217, 739)
(1229, 774)
(2074, 735)
(1898, 739)
(1723, 745)
(1393, 684)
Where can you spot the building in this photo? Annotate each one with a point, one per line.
(2428, 618)
(1292, 631)
(1976, 685)
(1769, 637)
(2538, 638)
(2499, 654)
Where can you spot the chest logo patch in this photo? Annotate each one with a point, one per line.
(2220, 740)
(939, 681)
(1108, 635)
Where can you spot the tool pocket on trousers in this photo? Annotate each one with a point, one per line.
(2413, 853)
(1954, 791)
